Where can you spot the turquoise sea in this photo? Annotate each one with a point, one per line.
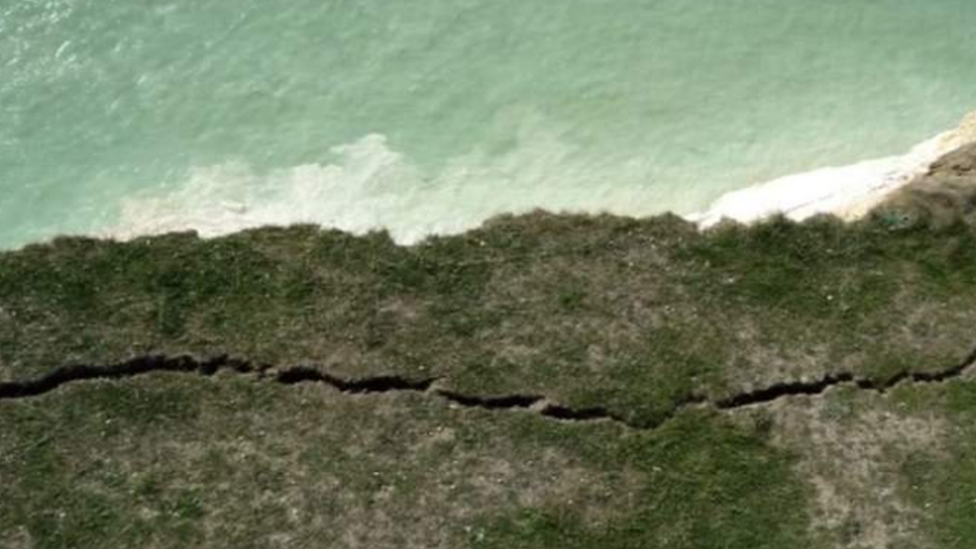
(124, 117)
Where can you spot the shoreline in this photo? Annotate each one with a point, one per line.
(849, 192)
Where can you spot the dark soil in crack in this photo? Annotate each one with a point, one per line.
(428, 386)
(380, 384)
(778, 391)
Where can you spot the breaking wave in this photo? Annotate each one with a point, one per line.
(372, 186)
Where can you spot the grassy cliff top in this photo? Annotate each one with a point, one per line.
(544, 381)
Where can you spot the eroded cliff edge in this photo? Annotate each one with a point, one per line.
(542, 381)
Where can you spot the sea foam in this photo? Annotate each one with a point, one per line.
(372, 186)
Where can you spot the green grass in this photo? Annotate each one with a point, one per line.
(944, 482)
(634, 317)
(177, 461)
(708, 486)
(580, 309)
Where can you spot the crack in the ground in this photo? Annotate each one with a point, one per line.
(294, 376)
(429, 386)
(378, 384)
(507, 402)
(539, 404)
(768, 395)
(135, 367)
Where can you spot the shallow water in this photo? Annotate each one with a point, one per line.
(126, 117)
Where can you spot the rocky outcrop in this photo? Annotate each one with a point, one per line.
(944, 195)
(850, 192)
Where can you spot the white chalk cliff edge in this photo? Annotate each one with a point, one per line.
(849, 192)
